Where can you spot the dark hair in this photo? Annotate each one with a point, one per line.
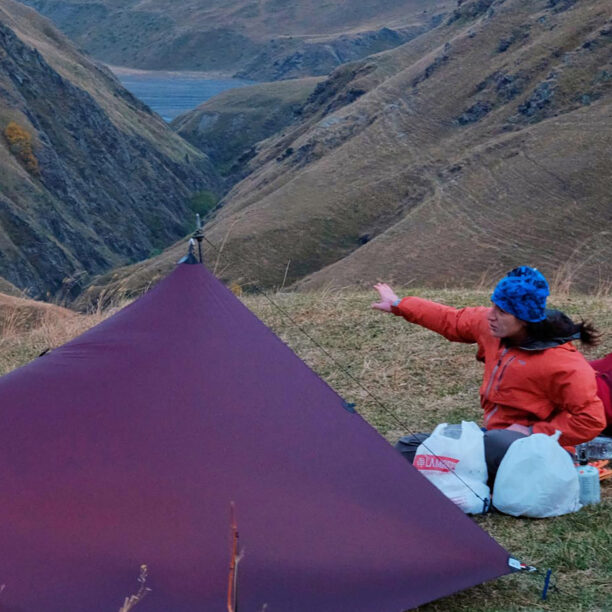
(558, 325)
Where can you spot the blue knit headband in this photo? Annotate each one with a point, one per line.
(522, 293)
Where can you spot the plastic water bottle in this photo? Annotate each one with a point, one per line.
(598, 448)
(588, 478)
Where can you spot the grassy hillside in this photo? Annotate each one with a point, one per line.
(230, 126)
(20, 315)
(478, 146)
(421, 380)
(416, 179)
(264, 40)
(91, 178)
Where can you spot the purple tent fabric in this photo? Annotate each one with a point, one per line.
(127, 445)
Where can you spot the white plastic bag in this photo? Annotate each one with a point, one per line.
(537, 478)
(453, 460)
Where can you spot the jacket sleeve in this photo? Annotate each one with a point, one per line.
(457, 325)
(579, 413)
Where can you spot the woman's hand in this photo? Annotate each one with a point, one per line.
(387, 297)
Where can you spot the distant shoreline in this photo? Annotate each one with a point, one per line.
(209, 74)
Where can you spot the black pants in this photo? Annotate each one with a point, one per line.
(496, 443)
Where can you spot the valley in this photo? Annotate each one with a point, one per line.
(443, 162)
(326, 146)
(479, 143)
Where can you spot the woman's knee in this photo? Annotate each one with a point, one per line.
(496, 444)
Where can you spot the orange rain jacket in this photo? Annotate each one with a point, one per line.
(547, 390)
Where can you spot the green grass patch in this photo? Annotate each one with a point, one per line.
(203, 202)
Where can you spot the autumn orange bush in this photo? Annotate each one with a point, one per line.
(20, 143)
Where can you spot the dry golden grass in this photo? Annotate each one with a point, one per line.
(29, 328)
(21, 314)
(421, 380)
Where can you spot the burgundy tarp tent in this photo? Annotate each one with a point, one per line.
(127, 445)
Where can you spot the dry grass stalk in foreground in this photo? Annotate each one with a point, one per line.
(142, 592)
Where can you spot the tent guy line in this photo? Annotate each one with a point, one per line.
(344, 371)
(522, 567)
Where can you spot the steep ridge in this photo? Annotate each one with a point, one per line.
(480, 145)
(90, 177)
(261, 40)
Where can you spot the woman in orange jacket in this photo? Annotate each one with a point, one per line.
(535, 380)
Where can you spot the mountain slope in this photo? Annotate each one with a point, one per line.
(262, 40)
(229, 126)
(478, 146)
(482, 144)
(90, 177)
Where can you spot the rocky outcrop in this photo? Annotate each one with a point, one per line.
(469, 9)
(290, 58)
(107, 182)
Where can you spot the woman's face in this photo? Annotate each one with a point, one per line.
(505, 325)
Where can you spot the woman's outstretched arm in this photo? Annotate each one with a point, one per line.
(457, 325)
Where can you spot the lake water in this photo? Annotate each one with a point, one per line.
(171, 93)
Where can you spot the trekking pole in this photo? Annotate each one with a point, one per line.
(199, 235)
